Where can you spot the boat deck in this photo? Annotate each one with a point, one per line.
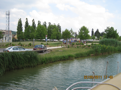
(115, 81)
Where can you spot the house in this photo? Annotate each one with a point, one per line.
(7, 36)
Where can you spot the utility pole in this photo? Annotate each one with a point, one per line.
(8, 22)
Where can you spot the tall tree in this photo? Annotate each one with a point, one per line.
(19, 30)
(33, 24)
(54, 34)
(1, 34)
(27, 33)
(97, 34)
(111, 33)
(26, 23)
(92, 32)
(72, 33)
(66, 34)
(44, 24)
(84, 33)
(59, 27)
(41, 32)
(39, 23)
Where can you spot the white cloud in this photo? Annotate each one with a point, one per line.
(91, 16)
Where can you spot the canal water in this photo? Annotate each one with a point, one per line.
(60, 74)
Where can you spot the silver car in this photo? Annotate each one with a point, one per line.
(16, 49)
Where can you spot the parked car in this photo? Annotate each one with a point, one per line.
(40, 47)
(15, 49)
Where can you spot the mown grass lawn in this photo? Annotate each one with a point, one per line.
(65, 51)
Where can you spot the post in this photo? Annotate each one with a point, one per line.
(117, 67)
(93, 79)
(33, 42)
(106, 69)
(46, 39)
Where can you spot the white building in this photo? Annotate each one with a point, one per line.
(7, 36)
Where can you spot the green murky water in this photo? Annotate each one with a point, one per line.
(60, 74)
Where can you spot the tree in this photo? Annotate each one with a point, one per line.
(54, 34)
(19, 30)
(93, 37)
(66, 34)
(33, 24)
(39, 23)
(119, 38)
(111, 33)
(83, 33)
(32, 32)
(92, 32)
(59, 27)
(41, 32)
(29, 33)
(72, 33)
(1, 34)
(97, 34)
(26, 23)
(44, 24)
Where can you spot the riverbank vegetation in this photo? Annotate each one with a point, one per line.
(13, 60)
(17, 60)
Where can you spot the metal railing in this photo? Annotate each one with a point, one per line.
(98, 83)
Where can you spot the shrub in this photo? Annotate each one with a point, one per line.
(29, 44)
(68, 46)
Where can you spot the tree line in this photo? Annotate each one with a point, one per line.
(54, 32)
(38, 32)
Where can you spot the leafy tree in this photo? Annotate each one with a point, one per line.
(1, 34)
(97, 34)
(119, 38)
(44, 24)
(66, 34)
(33, 24)
(41, 32)
(92, 32)
(26, 23)
(111, 33)
(54, 34)
(72, 33)
(49, 31)
(59, 27)
(83, 33)
(39, 23)
(93, 37)
(19, 30)
(29, 32)
(58, 36)
(32, 32)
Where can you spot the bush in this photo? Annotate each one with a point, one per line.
(29, 44)
(20, 43)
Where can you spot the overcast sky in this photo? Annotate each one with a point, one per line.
(96, 14)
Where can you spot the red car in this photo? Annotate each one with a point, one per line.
(40, 47)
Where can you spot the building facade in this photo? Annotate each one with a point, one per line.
(7, 36)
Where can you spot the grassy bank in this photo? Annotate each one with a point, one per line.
(29, 44)
(11, 61)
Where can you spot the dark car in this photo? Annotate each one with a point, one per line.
(40, 48)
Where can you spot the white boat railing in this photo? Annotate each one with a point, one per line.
(89, 88)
